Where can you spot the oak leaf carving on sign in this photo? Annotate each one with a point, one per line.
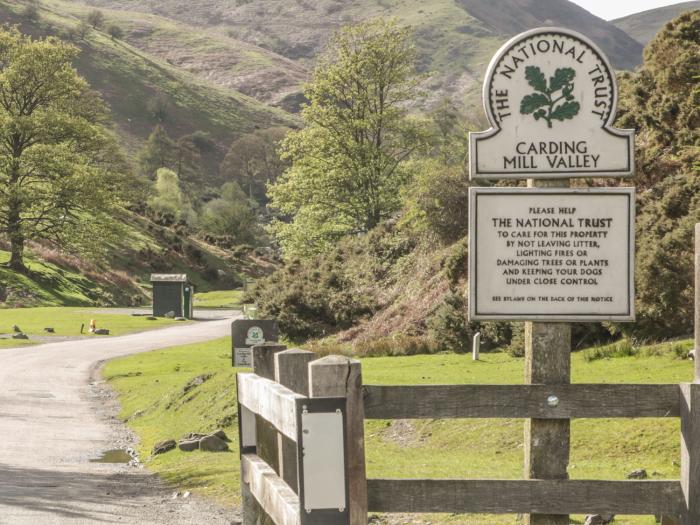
(547, 104)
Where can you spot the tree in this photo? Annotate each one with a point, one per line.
(158, 106)
(31, 12)
(253, 161)
(81, 31)
(95, 18)
(59, 168)
(230, 215)
(158, 152)
(349, 162)
(662, 100)
(115, 31)
(434, 200)
(188, 164)
(168, 203)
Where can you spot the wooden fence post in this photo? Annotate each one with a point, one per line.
(292, 372)
(690, 416)
(697, 303)
(548, 362)
(338, 376)
(690, 451)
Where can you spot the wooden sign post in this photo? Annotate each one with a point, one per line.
(544, 256)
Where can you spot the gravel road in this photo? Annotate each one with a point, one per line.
(56, 415)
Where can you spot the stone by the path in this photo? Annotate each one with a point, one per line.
(196, 381)
(20, 335)
(163, 446)
(221, 435)
(188, 445)
(212, 444)
(49, 330)
(638, 474)
(101, 331)
(599, 519)
(170, 315)
(191, 436)
(16, 329)
(215, 442)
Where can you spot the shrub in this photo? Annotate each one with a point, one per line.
(449, 327)
(115, 31)
(623, 348)
(396, 345)
(321, 295)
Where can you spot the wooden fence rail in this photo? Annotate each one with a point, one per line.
(521, 401)
(539, 496)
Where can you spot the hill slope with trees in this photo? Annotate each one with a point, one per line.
(644, 26)
(143, 91)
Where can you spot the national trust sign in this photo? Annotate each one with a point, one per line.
(550, 96)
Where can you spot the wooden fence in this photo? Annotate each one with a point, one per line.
(280, 483)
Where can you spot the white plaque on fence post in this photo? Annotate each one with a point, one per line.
(551, 254)
(550, 96)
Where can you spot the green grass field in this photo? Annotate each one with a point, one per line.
(156, 405)
(219, 299)
(67, 321)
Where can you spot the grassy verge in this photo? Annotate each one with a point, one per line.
(219, 299)
(67, 321)
(157, 405)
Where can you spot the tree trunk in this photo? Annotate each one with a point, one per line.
(17, 257)
(14, 222)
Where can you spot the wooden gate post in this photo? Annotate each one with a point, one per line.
(338, 376)
(291, 371)
(264, 366)
(547, 361)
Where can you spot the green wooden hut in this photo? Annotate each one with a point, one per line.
(172, 293)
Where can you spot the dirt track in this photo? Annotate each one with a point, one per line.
(55, 416)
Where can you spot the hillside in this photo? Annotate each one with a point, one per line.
(209, 55)
(122, 278)
(643, 26)
(130, 80)
(455, 40)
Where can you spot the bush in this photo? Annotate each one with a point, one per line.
(396, 345)
(449, 327)
(623, 348)
(310, 299)
(321, 295)
(115, 31)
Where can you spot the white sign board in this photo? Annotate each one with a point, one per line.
(551, 254)
(550, 96)
(323, 461)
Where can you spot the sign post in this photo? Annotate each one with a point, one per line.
(245, 334)
(550, 254)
